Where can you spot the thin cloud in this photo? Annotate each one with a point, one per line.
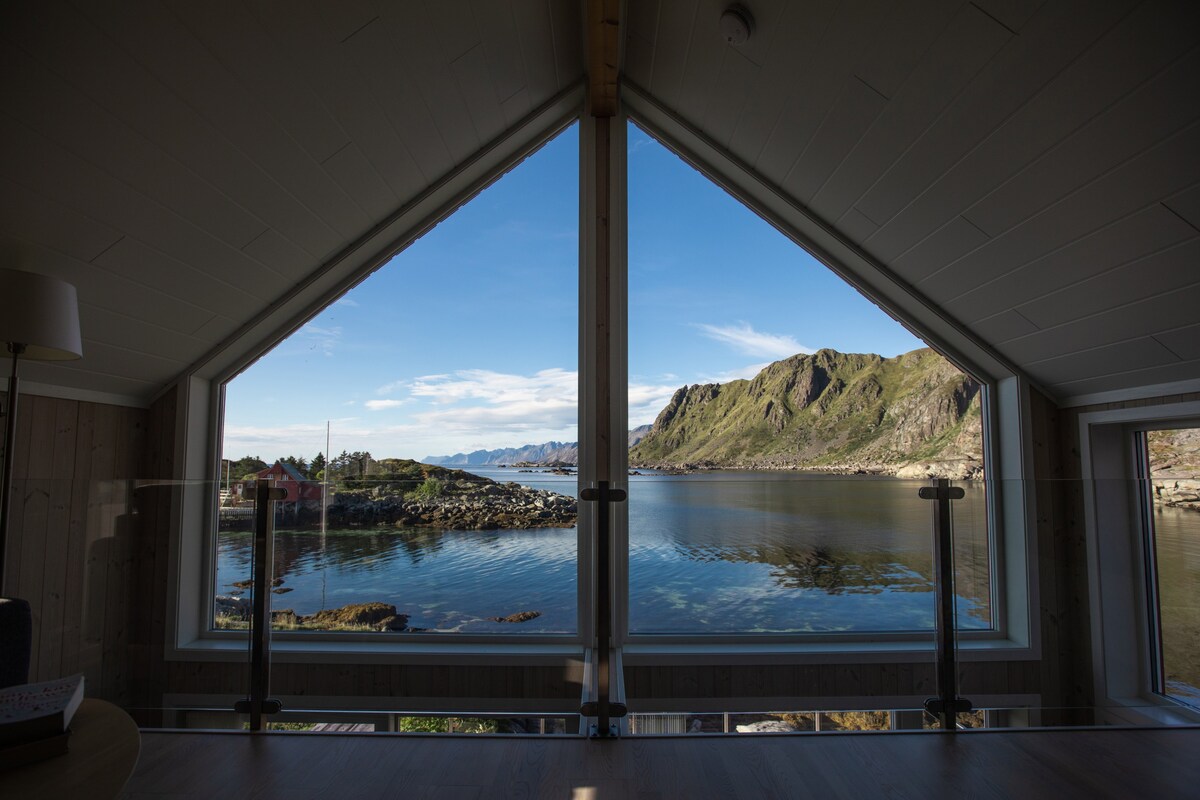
(393, 387)
(380, 405)
(746, 340)
(322, 339)
(739, 373)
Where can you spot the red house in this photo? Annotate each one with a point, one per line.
(299, 488)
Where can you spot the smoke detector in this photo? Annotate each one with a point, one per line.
(737, 25)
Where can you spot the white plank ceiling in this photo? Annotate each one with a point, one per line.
(1031, 167)
(186, 163)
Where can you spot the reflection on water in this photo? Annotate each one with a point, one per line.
(709, 553)
(721, 553)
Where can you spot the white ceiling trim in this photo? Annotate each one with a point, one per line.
(1156, 390)
(370, 251)
(871, 278)
(85, 395)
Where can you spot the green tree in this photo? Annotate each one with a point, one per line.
(247, 465)
(298, 462)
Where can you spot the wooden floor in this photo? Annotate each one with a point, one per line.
(1023, 765)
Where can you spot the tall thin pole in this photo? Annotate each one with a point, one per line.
(325, 483)
(10, 442)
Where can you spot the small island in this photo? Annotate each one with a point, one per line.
(403, 493)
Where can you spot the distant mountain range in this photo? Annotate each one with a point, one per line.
(548, 453)
(914, 415)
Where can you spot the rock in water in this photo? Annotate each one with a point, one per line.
(398, 622)
(520, 616)
(353, 614)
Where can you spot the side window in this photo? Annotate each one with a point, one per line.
(1172, 513)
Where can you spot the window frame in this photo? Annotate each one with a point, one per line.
(1005, 408)
(1125, 675)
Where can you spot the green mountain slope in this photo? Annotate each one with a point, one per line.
(913, 415)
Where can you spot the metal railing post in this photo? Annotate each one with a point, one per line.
(947, 705)
(262, 562)
(603, 708)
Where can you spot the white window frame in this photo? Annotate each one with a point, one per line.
(1006, 425)
(1005, 412)
(1123, 642)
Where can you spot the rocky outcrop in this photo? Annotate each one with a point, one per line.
(477, 504)
(915, 415)
(1175, 467)
(1178, 492)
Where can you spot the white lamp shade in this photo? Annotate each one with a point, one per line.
(41, 313)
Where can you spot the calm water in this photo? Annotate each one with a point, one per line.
(1177, 539)
(721, 552)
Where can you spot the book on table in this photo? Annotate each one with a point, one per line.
(32, 712)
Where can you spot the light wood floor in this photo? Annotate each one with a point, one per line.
(1022, 765)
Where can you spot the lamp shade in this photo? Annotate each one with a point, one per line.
(41, 313)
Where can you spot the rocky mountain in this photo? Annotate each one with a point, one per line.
(913, 415)
(548, 453)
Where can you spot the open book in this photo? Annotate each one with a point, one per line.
(35, 710)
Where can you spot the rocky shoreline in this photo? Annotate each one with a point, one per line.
(234, 613)
(462, 505)
(955, 469)
(1177, 493)
(450, 503)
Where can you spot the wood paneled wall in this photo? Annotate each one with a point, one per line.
(71, 549)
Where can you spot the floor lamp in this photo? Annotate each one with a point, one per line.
(39, 320)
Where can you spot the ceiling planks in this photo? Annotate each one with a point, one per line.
(1029, 166)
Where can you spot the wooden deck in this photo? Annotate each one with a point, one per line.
(1025, 765)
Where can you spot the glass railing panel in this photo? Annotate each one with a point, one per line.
(973, 552)
(460, 553)
(374, 721)
(900, 720)
(733, 552)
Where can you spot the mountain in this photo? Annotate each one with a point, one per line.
(912, 415)
(548, 453)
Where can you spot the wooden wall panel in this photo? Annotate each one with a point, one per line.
(71, 513)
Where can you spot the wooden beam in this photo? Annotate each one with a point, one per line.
(604, 55)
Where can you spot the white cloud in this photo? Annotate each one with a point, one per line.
(739, 373)
(393, 387)
(346, 301)
(546, 399)
(380, 405)
(745, 339)
(645, 401)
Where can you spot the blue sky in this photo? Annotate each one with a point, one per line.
(467, 339)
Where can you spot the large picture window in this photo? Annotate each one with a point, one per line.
(429, 428)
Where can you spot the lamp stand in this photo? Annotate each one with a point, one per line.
(10, 440)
